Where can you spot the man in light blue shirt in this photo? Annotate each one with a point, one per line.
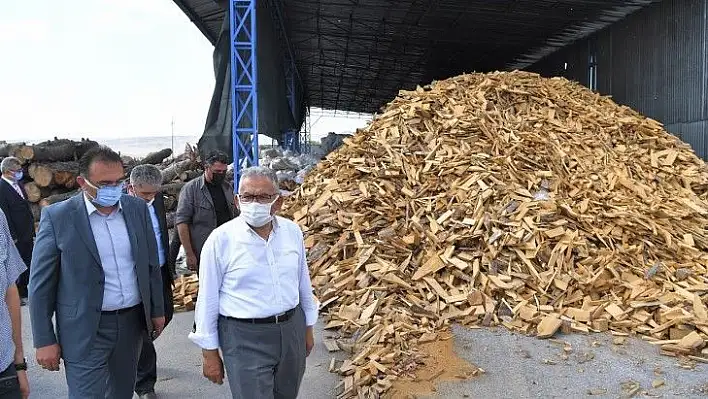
(96, 283)
(13, 369)
(145, 182)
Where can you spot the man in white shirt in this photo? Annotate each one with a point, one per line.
(255, 297)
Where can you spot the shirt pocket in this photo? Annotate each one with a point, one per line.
(287, 262)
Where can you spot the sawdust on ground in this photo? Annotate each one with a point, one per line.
(440, 364)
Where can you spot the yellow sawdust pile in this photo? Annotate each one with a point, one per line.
(511, 199)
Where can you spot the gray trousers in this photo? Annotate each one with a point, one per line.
(108, 371)
(264, 361)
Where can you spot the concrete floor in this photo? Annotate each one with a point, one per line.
(516, 367)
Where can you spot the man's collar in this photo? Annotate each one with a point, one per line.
(11, 182)
(91, 208)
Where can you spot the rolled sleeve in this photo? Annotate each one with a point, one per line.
(206, 313)
(307, 298)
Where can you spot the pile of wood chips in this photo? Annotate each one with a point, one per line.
(505, 199)
(184, 293)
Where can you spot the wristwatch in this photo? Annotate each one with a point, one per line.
(21, 366)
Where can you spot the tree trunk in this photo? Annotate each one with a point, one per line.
(54, 174)
(174, 170)
(188, 175)
(57, 198)
(34, 193)
(156, 158)
(18, 150)
(61, 150)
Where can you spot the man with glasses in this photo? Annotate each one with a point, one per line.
(145, 182)
(95, 269)
(13, 201)
(205, 203)
(255, 298)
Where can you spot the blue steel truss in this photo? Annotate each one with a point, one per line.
(244, 80)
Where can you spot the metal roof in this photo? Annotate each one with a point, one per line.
(355, 55)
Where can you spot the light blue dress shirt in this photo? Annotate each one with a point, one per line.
(158, 234)
(110, 232)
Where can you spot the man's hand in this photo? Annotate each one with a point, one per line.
(48, 357)
(24, 383)
(213, 367)
(309, 340)
(192, 262)
(158, 324)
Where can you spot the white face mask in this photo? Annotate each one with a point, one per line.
(256, 214)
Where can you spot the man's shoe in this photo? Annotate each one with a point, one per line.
(149, 395)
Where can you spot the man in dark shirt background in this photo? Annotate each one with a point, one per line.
(204, 204)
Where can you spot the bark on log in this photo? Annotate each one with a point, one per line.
(170, 203)
(36, 211)
(18, 150)
(170, 216)
(174, 170)
(57, 198)
(61, 150)
(188, 175)
(156, 158)
(34, 193)
(172, 189)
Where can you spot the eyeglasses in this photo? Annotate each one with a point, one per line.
(261, 199)
(119, 183)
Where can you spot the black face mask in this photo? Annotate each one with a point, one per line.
(217, 178)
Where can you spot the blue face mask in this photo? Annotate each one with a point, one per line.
(107, 196)
(19, 175)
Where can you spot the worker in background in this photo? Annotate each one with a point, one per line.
(13, 368)
(205, 203)
(95, 270)
(145, 183)
(255, 298)
(13, 201)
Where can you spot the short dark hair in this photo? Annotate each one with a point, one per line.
(97, 154)
(216, 156)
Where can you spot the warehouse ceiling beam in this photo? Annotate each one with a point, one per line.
(416, 41)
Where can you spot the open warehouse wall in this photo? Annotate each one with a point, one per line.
(655, 61)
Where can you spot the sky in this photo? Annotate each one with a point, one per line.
(108, 69)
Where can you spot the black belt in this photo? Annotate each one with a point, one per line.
(279, 318)
(121, 311)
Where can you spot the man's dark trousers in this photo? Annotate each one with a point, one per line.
(25, 249)
(147, 365)
(110, 367)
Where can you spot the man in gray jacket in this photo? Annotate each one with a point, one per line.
(205, 203)
(95, 269)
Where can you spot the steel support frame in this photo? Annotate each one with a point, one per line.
(244, 85)
(293, 83)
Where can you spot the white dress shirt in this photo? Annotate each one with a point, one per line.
(241, 275)
(110, 233)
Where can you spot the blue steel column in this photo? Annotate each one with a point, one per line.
(244, 80)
